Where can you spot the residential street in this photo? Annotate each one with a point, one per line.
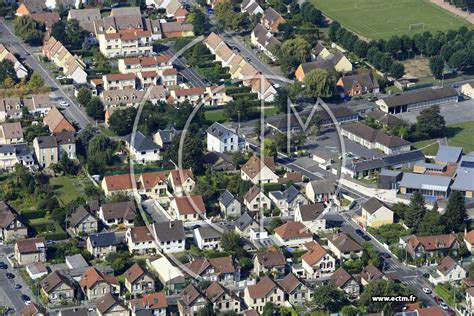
(187, 72)
(30, 55)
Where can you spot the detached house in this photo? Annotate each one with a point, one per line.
(100, 245)
(259, 171)
(56, 122)
(265, 291)
(181, 181)
(170, 237)
(140, 240)
(222, 299)
(369, 274)
(118, 213)
(191, 301)
(57, 288)
(375, 213)
(154, 303)
(317, 262)
(255, 200)
(312, 216)
(293, 234)
(142, 148)
(433, 245)
(188, 208)
(269, 261)
(221, 269)
(222, 139)
(344, 281)
(95, 284)
(11, 226)
(206, 237)
(138, 281)
(30, 250)
(320, 190)
(343, 246)
(11, 133)
(287, 200)
(448, 271)
(110, 305)
(357, 85)
(271, 19)
(230, 207)
(82, 221)
(296, 291)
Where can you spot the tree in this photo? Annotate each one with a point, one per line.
(360, 48)
(35, 130)
(381, 288)
(311, 14)
(36, 82)
(437, 66)
(121, 121)
(281, 99)
(292, 53)
(270, 148)
(192, 151)
(98, 153)
(238, 109)
(430, 123)
(7, 71)
(226, 17)
(84, 96)
(207, 310)
(319, 83)
(430, 224)
(29, 30)
(119, 261)
(328, 298)
(416, 210)
(397, 70)
(268, 309)
(231, 241)
(95, 108)
(199, 21)
(70, 33)
(350, 310)
(454, 218)
(370, 255)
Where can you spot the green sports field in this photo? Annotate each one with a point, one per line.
(377, 19)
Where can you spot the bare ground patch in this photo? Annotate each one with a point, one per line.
(419, 67)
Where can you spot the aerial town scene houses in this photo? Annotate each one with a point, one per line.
(236, 158)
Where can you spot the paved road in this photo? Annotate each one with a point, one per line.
(28, 53)
(249, 55)
(187, 72)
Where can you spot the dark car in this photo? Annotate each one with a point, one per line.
(3, 265)
(25, 297)
(9, 275)
(359, 232)
(366, 238)
(385, 255)
(438, 300)
(17, 286)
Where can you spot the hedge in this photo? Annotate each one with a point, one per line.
(237, 90)
(251, 96)
(33, 214)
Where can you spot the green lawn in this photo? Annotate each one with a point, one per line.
(68, 188)
(377, 19)
(459, 135)
(216, 115)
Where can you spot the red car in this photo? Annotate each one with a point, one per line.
(451, 312)
(438, 300)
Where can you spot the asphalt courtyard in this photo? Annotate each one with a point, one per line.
(452, 112)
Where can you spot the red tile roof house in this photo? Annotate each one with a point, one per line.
(140, 240)
(188, 208)
(111, 305)
(293, 234)
(95, 284)
(430, 246)
(56, 288)
(469, 240)
(265, 291)
(222, 299)
(56, 122)
(138, 280)
(296, 290)
(154, 302)
(30, 250)
(317, 262)
(181, 181)
(448, 270)
(343, 280)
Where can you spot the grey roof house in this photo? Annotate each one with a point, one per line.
(229, 205)
(142, 148)
(432, 187)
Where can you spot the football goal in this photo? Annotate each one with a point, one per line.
(416, 26)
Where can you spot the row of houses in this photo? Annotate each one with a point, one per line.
(240, 69)
(71, 65)
(37, 105)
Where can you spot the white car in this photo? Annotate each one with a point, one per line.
(426, 290)
(64, 104)
(60, 77)
(444, 306)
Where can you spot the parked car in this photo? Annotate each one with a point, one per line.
(359, 232)
(426, 290)
(385, 255)
(17, 286)
(64, 104)
(9, 275)
(3, 265)
(366, 238)
(26, 299)
(438, 300)
(444, 306)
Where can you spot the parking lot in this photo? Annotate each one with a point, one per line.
(452, 112)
